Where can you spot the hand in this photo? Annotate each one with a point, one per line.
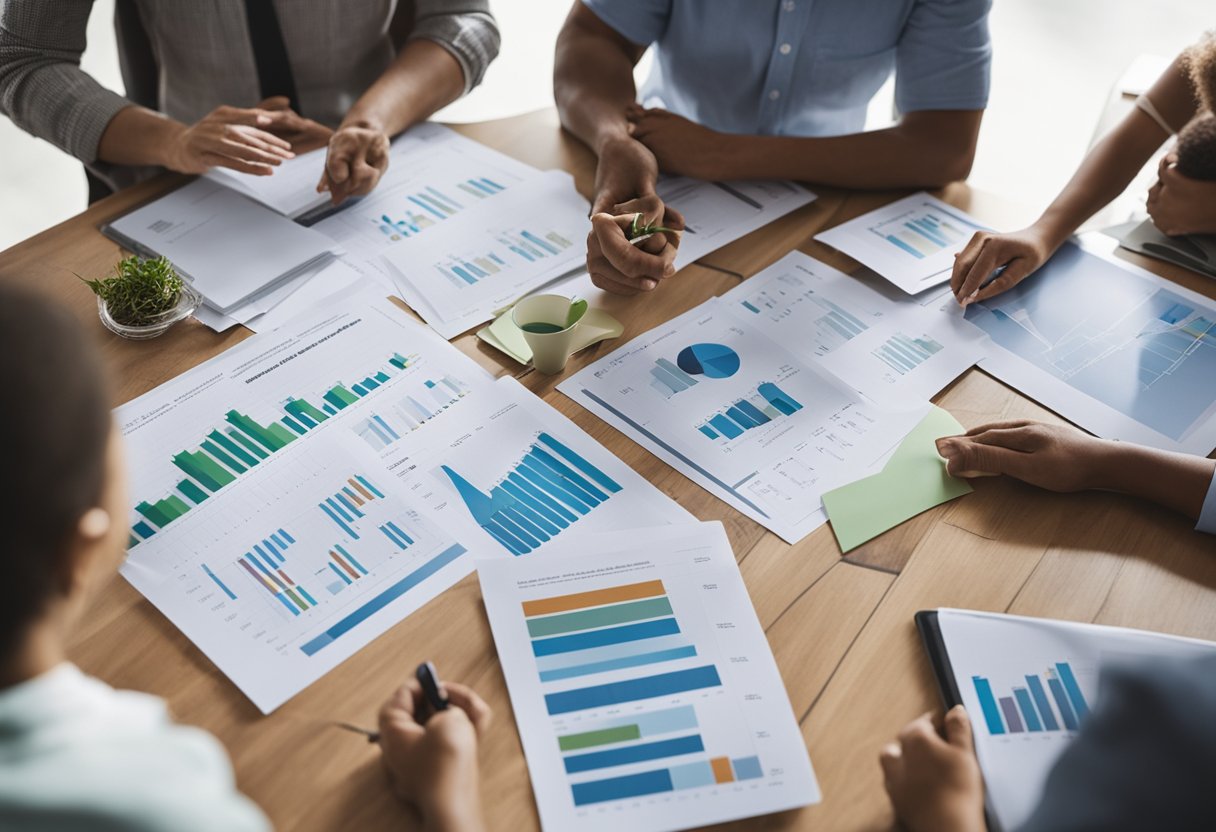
(303, 134)
(932, 776)
(1054, 457)
(617, 265)
(1020, 252)
(1179, 204)
(681, 146)
(431, 758)
(358, 157)
(229, 137)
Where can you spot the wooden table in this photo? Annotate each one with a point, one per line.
(841, 627)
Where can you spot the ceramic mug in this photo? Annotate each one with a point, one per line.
(546, 325)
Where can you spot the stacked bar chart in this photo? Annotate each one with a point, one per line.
(903, 353)
(242, 442)
(386, 426)
(768, 403)
(547, 491)
(924, 231)
(1028, 709)
(345, 507)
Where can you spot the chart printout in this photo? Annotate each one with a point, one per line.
(643, 687)
(886, 347)
(739, 414)
(1029, 685)
(1115, 349)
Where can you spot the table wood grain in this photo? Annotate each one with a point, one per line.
(841, 628)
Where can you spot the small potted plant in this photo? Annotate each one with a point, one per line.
(640, 230)
(143, 298)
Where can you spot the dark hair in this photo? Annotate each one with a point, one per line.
(54, 425)
(1197, 141)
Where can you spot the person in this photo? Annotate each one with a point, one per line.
(75, 754)
(242, 84)
(777, 89)
(1063, 458)
(1143, 760)
(1177, 203)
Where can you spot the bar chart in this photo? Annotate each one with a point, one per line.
(241, 442)
(406, 414)
(1028, 709)
(265, 565)
(768, 403)
(549, 489)
(345, 507)
(924, 231)
(904, 353)
(513, 248)
(423, 208)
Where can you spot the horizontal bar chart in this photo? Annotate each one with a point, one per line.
(639, 726)
(903, 353)
(715, 771)
(643, 752)
(631, 690)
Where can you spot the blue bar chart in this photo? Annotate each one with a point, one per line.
(924, 231)
(512, 248)
(419, 210)
(386, 425)
(1028, 710)
(768, 403)
(903, 353)
(346, 506)
(550, 488)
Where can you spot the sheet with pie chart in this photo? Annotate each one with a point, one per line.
(738, 413)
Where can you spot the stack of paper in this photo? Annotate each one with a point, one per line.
(229, 248)
(290, 190)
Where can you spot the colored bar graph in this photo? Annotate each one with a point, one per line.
(632, 690)
(381, 600)
(643, 752)
(1029, 709)
(695, 775)
(768, 403)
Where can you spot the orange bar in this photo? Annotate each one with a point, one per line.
(595, 598)
(290, 582)
(722, 772)
(338, 559)
(357, 500)
(354, 483)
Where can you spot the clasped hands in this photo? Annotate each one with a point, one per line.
(256, 140)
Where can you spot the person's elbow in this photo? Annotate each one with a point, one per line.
(954, 166)
(943, 144)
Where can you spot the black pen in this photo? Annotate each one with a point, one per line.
(429, 679)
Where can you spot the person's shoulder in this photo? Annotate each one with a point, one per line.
(1173, 689)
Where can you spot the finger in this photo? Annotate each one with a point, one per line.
(969, 459)
(626, 258)
(363, 179)
(1009, 423)
(465, 698)
(673, 218)
(919, 732)
(891, 758)
(604, 276)
(262, 140)
(1015, 272)
(1025, 439)
(275, 102)
(983, 267)
(256, 119)
(338, 167)
(248, 152)
(218, 160)
(403, 704)
(964, 260)
(958, 728)
(651, 208)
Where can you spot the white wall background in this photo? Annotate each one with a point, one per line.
(1055, 63)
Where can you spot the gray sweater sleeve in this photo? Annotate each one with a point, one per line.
(465, 28)
(1146, 758)
(42, 87)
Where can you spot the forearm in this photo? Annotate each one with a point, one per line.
(926, 150)
(592, 87)
(1176, 481)
(1114, 161)
(138, 136)
(460, 812)
(424, 78)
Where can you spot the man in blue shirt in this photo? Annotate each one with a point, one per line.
(763, 89)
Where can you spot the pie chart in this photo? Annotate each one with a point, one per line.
(710, 360)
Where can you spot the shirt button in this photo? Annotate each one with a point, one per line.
(774, 94)
(785, 49)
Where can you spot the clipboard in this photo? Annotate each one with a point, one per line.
(939, 659)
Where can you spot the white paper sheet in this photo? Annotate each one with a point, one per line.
(911, 242)
(676, 716)
(890, 348)
(462, 273)
(741, 415)
(228, 246)
(290, 190)
(1015, 673)
(1116, 349)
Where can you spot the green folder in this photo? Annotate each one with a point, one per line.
(914, 480)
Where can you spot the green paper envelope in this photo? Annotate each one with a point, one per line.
(914, 480)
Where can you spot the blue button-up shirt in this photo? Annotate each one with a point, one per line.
(806, 67)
